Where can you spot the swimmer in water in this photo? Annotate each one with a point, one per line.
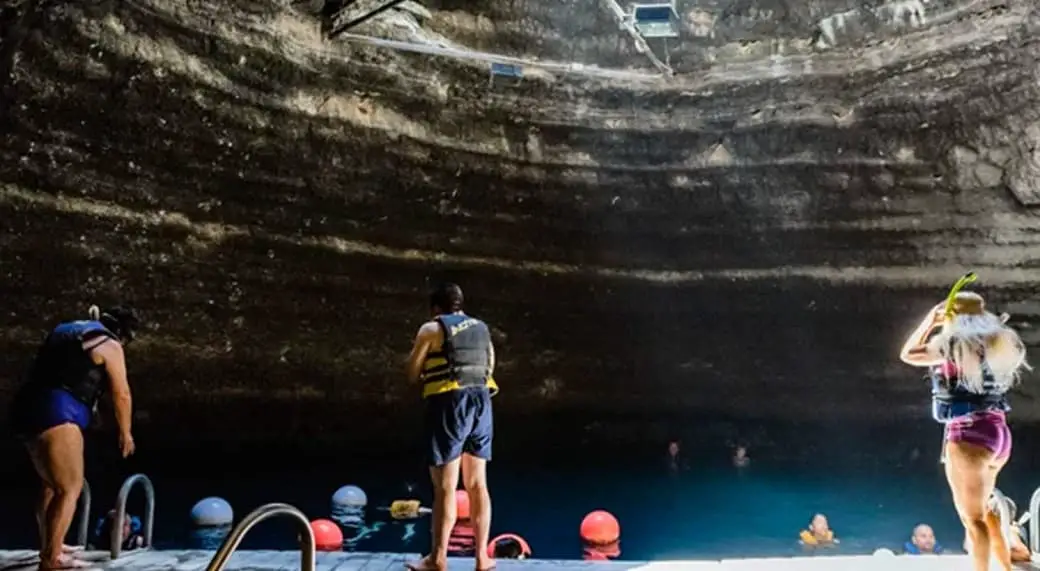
(818, 534)
(132, 539)
(510, 546)
(973, 359)
(740, 457)
(78, 363)
(922, 541)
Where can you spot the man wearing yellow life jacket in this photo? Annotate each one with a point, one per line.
(453, 359)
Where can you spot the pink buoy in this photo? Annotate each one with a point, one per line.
(462, 504)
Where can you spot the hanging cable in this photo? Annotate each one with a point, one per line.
(364, 18)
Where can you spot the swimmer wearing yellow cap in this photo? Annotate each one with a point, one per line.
(973, 359)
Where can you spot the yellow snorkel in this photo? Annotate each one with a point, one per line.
(957, 287)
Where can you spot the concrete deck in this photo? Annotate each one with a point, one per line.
(147, 560)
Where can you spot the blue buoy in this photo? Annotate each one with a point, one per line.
(349, 497)
(210, 512)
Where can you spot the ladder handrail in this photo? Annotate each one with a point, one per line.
(258, 515)
(1034, 521)
(116, 543)
(83, 533)
(1006, 517)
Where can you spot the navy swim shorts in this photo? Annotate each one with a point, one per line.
(458, 422)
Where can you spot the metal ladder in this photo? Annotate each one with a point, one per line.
(256, 516)
(1033, 519)
(148, 524)
(1006, 517)
(83, 506)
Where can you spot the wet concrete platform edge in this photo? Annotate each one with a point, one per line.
(197, 560)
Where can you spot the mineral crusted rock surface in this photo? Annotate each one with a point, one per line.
(751, 235)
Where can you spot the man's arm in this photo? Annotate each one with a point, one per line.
(423, 341)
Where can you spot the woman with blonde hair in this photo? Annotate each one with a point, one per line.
(973, 360)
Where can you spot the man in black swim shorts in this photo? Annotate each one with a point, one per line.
(454, 359)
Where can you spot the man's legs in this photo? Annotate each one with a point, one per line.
(474, 478)
(475, 457)
(445, 480)
(443, 424)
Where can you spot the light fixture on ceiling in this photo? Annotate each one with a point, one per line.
(511, 73)
(656, 20)
(648, 20)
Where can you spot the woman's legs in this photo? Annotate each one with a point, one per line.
(972, 471)
(57, 454)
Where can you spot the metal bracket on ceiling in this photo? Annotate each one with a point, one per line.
(630, 24)
(363, 18)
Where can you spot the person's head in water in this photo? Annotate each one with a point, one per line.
(509, 548)
(446, 298)
(923, 538)
(121, 320)
(971, 331)
(740, 456)
(820, 527)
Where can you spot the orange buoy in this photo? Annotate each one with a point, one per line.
(327, 535)
(525, 549)
(600, 528)
(461, 504)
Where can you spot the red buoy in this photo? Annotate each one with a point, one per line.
(462, 504)
(600, 528)
(327, 535)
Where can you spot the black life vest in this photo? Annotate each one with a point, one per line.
(951, 400)
(62, 363)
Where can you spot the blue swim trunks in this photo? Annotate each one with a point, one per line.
(37, 410)
(458, 422)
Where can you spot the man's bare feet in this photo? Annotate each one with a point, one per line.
(71, 548)
(64, 562)
(427, 564)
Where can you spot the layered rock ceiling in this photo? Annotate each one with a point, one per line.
(749, 235)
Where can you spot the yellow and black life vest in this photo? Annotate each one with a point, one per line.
(464, 359)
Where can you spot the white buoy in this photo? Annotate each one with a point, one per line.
(884, 552)
(210, 512)
(349, 497)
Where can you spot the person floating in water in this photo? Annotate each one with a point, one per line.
(973, 359)
(509, 546)
(740, 457)
(818, 534)
(78, 362)
(454, 359)
(922, 541)
(676, 459)
(132, 538)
